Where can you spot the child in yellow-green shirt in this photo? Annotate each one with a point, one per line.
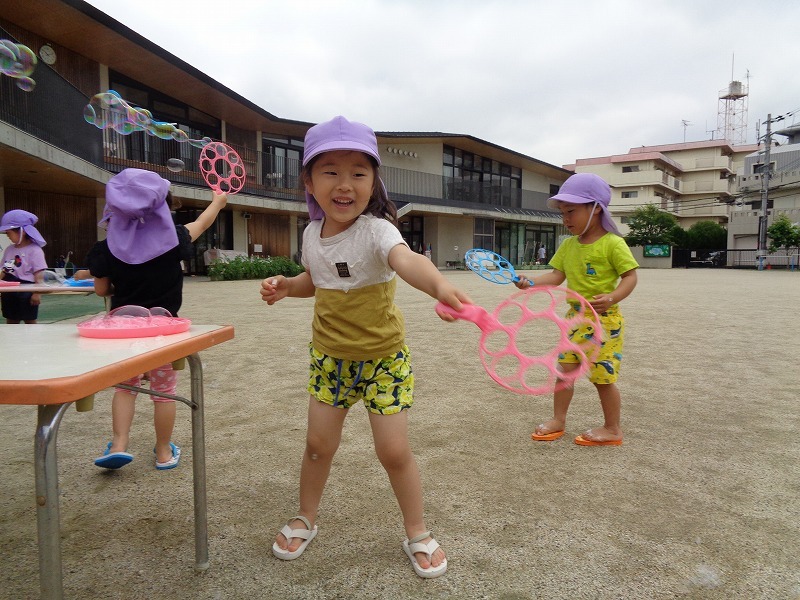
(596, 263)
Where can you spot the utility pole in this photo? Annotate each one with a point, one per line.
(766, 172)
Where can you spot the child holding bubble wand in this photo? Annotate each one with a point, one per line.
(139, 263)
(351, 252)
(596, 263)
(23, 262)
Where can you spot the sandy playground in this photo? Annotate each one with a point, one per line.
(702, 500)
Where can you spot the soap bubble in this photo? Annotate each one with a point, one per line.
(108, 110)
(176, 165)
(18, 61)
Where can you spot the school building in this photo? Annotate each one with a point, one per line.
(453, 191)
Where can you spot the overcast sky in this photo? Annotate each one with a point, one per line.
(556, 81)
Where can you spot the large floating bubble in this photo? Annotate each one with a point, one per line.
(108, 110)
(18, 61)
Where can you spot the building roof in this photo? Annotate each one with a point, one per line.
(725, 145)
(626, 158)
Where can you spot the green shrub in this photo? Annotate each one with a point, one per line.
(253, 267)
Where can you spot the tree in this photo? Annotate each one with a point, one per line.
(649, 225)
(679, 237)
(707, 235)
(783, 234)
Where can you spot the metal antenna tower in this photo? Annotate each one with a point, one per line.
(732, 112)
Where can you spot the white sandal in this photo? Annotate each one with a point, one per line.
(306, 535)
(415, 545)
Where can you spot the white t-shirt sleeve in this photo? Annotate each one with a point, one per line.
(387, 236)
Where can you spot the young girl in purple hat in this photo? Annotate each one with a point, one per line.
(597, 263)
(23, 261)
(139, 263)
(351, 252)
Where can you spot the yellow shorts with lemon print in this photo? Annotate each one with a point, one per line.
(605, 369)
(386, 385)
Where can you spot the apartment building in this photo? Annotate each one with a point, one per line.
(454, 191)
(695, 181)
(782, 190)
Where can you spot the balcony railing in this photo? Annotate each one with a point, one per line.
(52, 112)
(717, 186)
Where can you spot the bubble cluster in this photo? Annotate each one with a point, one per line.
(108, 110)
(18, 61)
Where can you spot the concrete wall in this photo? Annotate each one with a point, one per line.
(651, 262)
(451, 232)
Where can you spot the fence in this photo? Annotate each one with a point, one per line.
(788, 259)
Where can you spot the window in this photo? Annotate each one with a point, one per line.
(281, 162)
(630, 194)
(413, 231)
(759, 168)
(630, 169)
(472, 178)
(483, 233)
(554, 189)
(447, 155)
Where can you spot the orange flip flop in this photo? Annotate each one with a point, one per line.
(582, 441)
(547, 437)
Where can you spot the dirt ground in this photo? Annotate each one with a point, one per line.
(701, 501)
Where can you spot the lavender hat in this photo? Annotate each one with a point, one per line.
(337, 134)
(583, 188)
(137, 217)
(22, 219)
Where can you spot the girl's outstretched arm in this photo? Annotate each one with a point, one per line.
(206, 218)
(279, 287)
(418, 271)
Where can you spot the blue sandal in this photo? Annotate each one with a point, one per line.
(113, 460)
(172, 462)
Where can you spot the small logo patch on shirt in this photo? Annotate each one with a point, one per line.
(343, 270)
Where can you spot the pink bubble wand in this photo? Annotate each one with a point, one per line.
(509, 325)
(222, 168)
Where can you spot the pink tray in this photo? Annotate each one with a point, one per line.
(5, 283)
(120, 327)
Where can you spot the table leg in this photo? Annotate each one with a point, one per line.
(47, 515)
(199, 465)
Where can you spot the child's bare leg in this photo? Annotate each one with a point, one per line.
(322, 440)
(164, 422)
(123, 406)
(611, 403)
(390, 433)
(561, 401)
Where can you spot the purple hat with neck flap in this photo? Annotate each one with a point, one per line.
(337, 134)
(137, 218)
(583, 188)
(22, 219)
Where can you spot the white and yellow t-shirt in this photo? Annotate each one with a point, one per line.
(355, 316)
